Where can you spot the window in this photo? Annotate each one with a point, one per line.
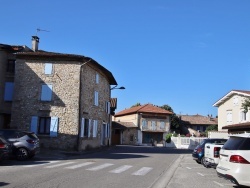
(85, 127)
(48, 69)
(243, 116)
(162, 125)
(44, 125)
(97, 78)
(144, 124)
(229, 116)
(11, 66)
(107, 107)
(235, 101)
(153, 125)
(131, 138)
(108, 130)
(46, 94)
(96, 98)
(8, 92)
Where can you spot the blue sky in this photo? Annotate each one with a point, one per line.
(184, 53)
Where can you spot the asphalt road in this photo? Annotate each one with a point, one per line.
(121, 166)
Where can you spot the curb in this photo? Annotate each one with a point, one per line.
(164, 179)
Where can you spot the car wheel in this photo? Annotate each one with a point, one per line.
(203, 161)
(22, 154)
(198, 161)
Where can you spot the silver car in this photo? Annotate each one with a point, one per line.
(24, 144)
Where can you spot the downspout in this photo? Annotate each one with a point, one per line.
(79, 106)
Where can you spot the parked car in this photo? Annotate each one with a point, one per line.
(198, 152)
(234, 161)
(5, 149)
(24, 144)
(212, 154)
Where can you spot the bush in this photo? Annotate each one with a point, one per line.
(168, 137)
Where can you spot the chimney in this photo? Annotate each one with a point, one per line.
(35, 41)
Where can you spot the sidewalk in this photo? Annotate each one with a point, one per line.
(53, 153)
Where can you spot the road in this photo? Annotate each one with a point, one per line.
(121, 166)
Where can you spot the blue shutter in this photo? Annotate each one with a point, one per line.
(48, 68)
(46, 94)
(33, 125)
(53, 126)
(82, 128)
(8, 92)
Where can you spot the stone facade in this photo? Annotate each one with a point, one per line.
(73, 83)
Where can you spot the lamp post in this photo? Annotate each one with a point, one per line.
(116, 87)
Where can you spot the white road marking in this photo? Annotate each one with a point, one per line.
(61, 164)
(142, 171)
(200, 173)
(100, 167)
(218, 183)
(188, 168)
(40, 163)
(121, 169)
(80, 165)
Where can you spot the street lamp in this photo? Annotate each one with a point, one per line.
(115, 87)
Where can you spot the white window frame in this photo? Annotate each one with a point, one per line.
(153, 125)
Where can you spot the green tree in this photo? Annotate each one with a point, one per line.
(246, 105)
(137, 104)
(174, 120)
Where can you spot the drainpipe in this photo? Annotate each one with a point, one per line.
(79, 106)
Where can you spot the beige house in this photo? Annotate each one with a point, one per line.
(230, 111)
(141, 125)
(7, 73)
(63, 98)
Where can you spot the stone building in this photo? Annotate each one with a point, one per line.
(7, 73)
(141, 125)
(63, 98)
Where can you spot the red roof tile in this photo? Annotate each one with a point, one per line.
(147, 108)
(198, 119)
(237, 126)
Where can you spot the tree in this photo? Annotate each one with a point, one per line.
(137, 104)
(174, 120)
(246, 105)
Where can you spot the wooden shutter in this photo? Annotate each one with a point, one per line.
(8, 92)
(34, 123)
(89, 133)
(53, 126)
(48, 68)
(82, 128)
(46, 94)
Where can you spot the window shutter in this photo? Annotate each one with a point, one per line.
(46, 92)
(96, 98)
(8, 92)
(108, 108)
(53, 126)
(33, 125)
(48, 68)
(95, 128)
(82, 128)
(89, 133)
(97, 78)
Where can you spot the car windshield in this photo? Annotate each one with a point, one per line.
(237, 143)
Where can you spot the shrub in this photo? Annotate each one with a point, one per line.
(168, 137)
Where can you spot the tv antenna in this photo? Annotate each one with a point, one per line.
(39, 30)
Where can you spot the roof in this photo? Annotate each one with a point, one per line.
(237, 126)
(198, 120)
(147, 108)
(43, 55)
(123, 125)
(230, 94)
(14, 48)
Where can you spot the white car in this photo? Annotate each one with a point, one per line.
(234, 161)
